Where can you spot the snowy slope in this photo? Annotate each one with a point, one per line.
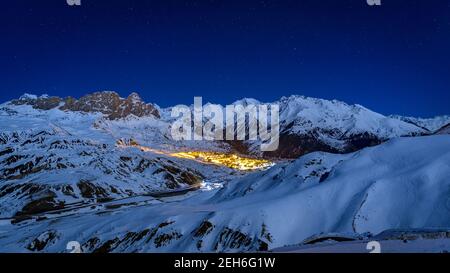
(63, 166)
(311, 124)
(306, 124)
(444, 130)
(50, 159)
(431, 124)
(390, 241)
(398, 185)
(306, 113)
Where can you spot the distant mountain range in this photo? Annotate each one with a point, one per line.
(306, 124)
(430, 124)
(107, 103)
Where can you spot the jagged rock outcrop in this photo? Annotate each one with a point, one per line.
(43, 102)
(107, 102)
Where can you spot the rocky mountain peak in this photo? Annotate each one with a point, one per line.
(134, 97)
(106, 102)
(43, 102)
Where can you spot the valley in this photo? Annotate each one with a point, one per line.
(113, 180)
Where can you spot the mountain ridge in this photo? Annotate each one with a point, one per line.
(105, 102)
(396, 185)
(109, 173)
(306, 124)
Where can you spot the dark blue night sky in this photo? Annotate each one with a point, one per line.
(393, 59)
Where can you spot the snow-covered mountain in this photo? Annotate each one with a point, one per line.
(310, 124)
(430, 124)
(44, 138)
(46, 171)
(306, 124)
(110, 165)
(402, 184)
(444, 130)
(304, 114)
(107, 102)
(50, 159)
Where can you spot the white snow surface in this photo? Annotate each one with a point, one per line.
(403, 183)
(398, 185)
(307, 113)
(431, 124)
(64, 148)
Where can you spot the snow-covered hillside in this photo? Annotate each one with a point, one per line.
(444, 130)
(311, 124)
(306, 124)
(430, 124)
(50, 159)
(389, 241)
(397, 185)
(303, 114)
(109, 165)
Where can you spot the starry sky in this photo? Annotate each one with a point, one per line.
(393, 58)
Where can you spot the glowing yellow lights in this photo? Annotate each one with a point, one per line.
(228, 160)
(232, 161)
